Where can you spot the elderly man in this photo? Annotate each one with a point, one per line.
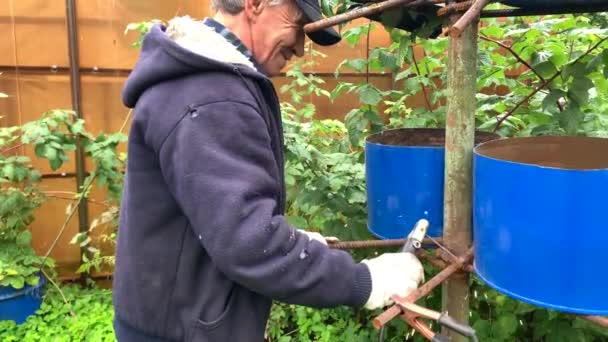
(203, 246)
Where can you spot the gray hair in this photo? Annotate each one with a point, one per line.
(235, 6)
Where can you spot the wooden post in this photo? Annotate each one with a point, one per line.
(460, 134)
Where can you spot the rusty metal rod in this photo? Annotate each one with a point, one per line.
(373, 243)
(471, 15)
(603, 321)
(394, 311)
(449, 259)
(453, 8)
(523, 12)
(360, 12)
(418, 310)
(433, 260)
(419, 326)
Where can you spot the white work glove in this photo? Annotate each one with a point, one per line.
(392, 274)
(318, 237)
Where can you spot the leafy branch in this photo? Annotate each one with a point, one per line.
(515, 54)
(546, 83)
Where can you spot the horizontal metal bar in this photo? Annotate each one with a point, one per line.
(374, 243)
(126, 72)
(360, 12)
(59, 175)
(56, 69)
(522, 12)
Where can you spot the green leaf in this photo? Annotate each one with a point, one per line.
(340, 88)
(17, 282)
(563, 332)
(493, 31)
(55, 163)
(40, 150)
(25, 238)
(8, 171)
(10, 272)
(507, 325)
(388, 60)
(483, 329)
(403, 75)
(551, 99)
(574, 70)
(579, 90)
(358, 64)
(33, 280)
(545, 69)
(570, 120)
(369, 94)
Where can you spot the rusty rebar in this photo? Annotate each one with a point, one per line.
(453, 8)
(374, 243)
(449, 259)
(360, 12)
(418, 310)
(419, 326)
(600, 320)
(522, 12)
(394, 311)
(433, 260)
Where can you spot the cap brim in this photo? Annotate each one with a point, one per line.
(324, 37)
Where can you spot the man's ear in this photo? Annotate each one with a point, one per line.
(253, 8)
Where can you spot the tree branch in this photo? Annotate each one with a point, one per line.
(546, 83)
(65, 300)
(8, 149)
(52, 194)
(73, 210)
(515, 54)
(521, 60)
(426, 96)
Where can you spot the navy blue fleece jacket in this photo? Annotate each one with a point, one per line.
(203, 246)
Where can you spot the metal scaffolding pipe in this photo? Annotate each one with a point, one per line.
(74, 53)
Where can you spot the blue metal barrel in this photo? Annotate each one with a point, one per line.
(541, 221)
(19, 304)
(404, 179)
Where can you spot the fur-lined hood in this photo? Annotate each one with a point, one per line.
(185, 46)
(201, 39)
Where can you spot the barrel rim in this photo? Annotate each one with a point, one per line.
(369, 140)
(478, 151)
(539, 303)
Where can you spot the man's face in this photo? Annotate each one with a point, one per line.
(277, 35)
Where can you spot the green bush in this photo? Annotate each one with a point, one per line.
(87, 318)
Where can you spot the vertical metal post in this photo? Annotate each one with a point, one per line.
(74, 54)
(460, 134)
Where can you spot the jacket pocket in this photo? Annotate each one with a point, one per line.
(220, 329)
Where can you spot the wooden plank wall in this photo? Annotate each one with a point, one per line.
(35, 73)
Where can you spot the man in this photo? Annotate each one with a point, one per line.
(203, 247)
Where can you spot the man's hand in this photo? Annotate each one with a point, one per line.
(392, 274)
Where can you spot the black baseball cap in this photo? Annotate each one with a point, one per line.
(312, 12)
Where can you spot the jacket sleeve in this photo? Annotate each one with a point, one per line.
(219, 165)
